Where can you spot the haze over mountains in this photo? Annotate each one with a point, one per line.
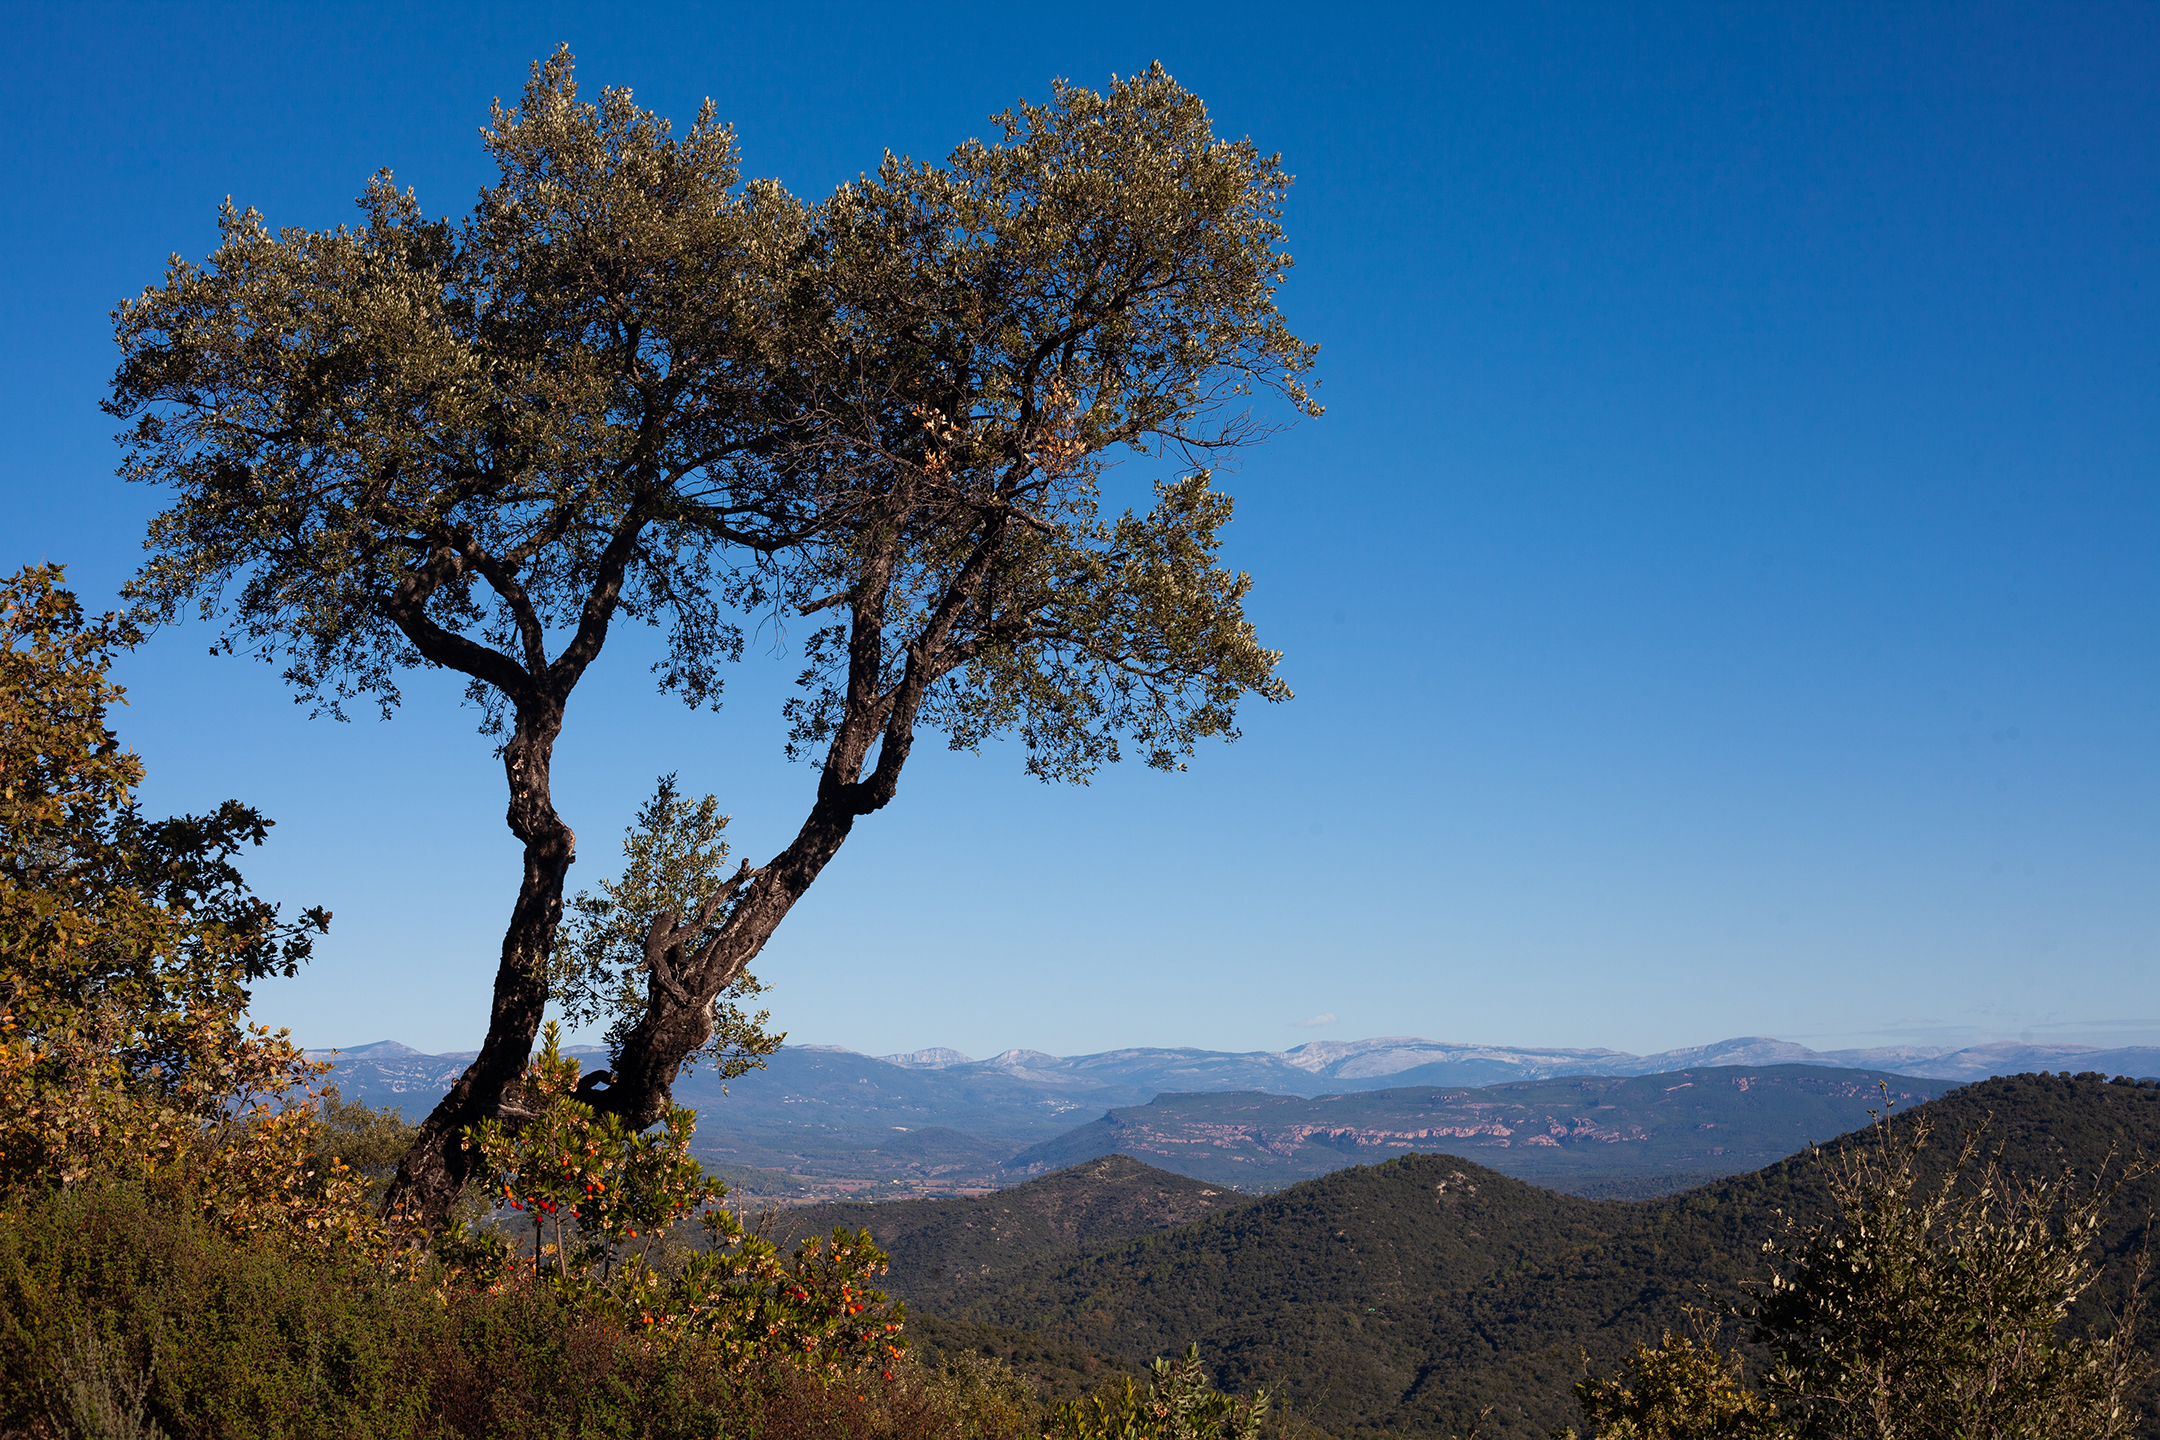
(1324, 1067)
(1060, 1083)
(822, 1121)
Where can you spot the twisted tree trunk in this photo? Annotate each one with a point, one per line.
(678, 1017)
(435, 1169)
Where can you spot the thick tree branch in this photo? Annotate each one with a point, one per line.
(522, 612)
(600, 601)
(406, 607)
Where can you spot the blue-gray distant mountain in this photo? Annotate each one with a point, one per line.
(1327, 1067)
(1680, 1129)
(935, 1121)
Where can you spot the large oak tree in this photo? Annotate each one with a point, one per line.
(630, 385)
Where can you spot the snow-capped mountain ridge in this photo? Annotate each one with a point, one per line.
(1386, 1062)
(1323, 1067)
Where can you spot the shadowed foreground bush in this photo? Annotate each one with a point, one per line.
(114, 1307)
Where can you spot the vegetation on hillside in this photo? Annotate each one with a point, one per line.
(1921, 1307)
(944, 1251)
(1408, 1297)
(185, 1250)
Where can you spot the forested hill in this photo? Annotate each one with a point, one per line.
(1406, 1296)
(946, 1250)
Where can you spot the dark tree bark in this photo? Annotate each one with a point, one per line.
(435, 1169)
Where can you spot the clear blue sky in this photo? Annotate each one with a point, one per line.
(1723, 595)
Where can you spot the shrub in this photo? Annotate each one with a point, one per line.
(1179, 1405)
(117, 1302)
(600, 1199)
(366, 1141)
(1924, 1309)
(126, 946)
(237, 1336)
(1938, 1308)
(1683, 1388)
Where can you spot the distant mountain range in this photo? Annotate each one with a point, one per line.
(1327, 1067)
(1581, 1134)
(823, 1121)
(1323, 1067)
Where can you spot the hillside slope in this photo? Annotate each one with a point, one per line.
(944, 1252)
(1403, 1297)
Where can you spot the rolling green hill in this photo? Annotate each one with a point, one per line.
(1582, 1131)
(945, 1252)
(1401, 1298)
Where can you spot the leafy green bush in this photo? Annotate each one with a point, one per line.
(1683, 1388)
(366, 1141)
(1940, 1309)
(601, 1198)
(1179, 1404)
(238, 1337)
(126, 949)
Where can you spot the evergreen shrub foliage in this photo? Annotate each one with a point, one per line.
(1178, 1404)
(601, 1200)
(1932, 1302)
(252, 1337)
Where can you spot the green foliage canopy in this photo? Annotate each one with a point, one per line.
(991, 332)
(630, 384)
(414, 440)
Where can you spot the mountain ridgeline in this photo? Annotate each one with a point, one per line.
(1405, 1297)
(820, 1123)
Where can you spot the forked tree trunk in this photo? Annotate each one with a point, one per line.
(678, 1019)
(675, 1025)
(437, 1166)
(678, 1013)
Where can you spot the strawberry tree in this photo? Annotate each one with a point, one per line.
(601, 1200)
